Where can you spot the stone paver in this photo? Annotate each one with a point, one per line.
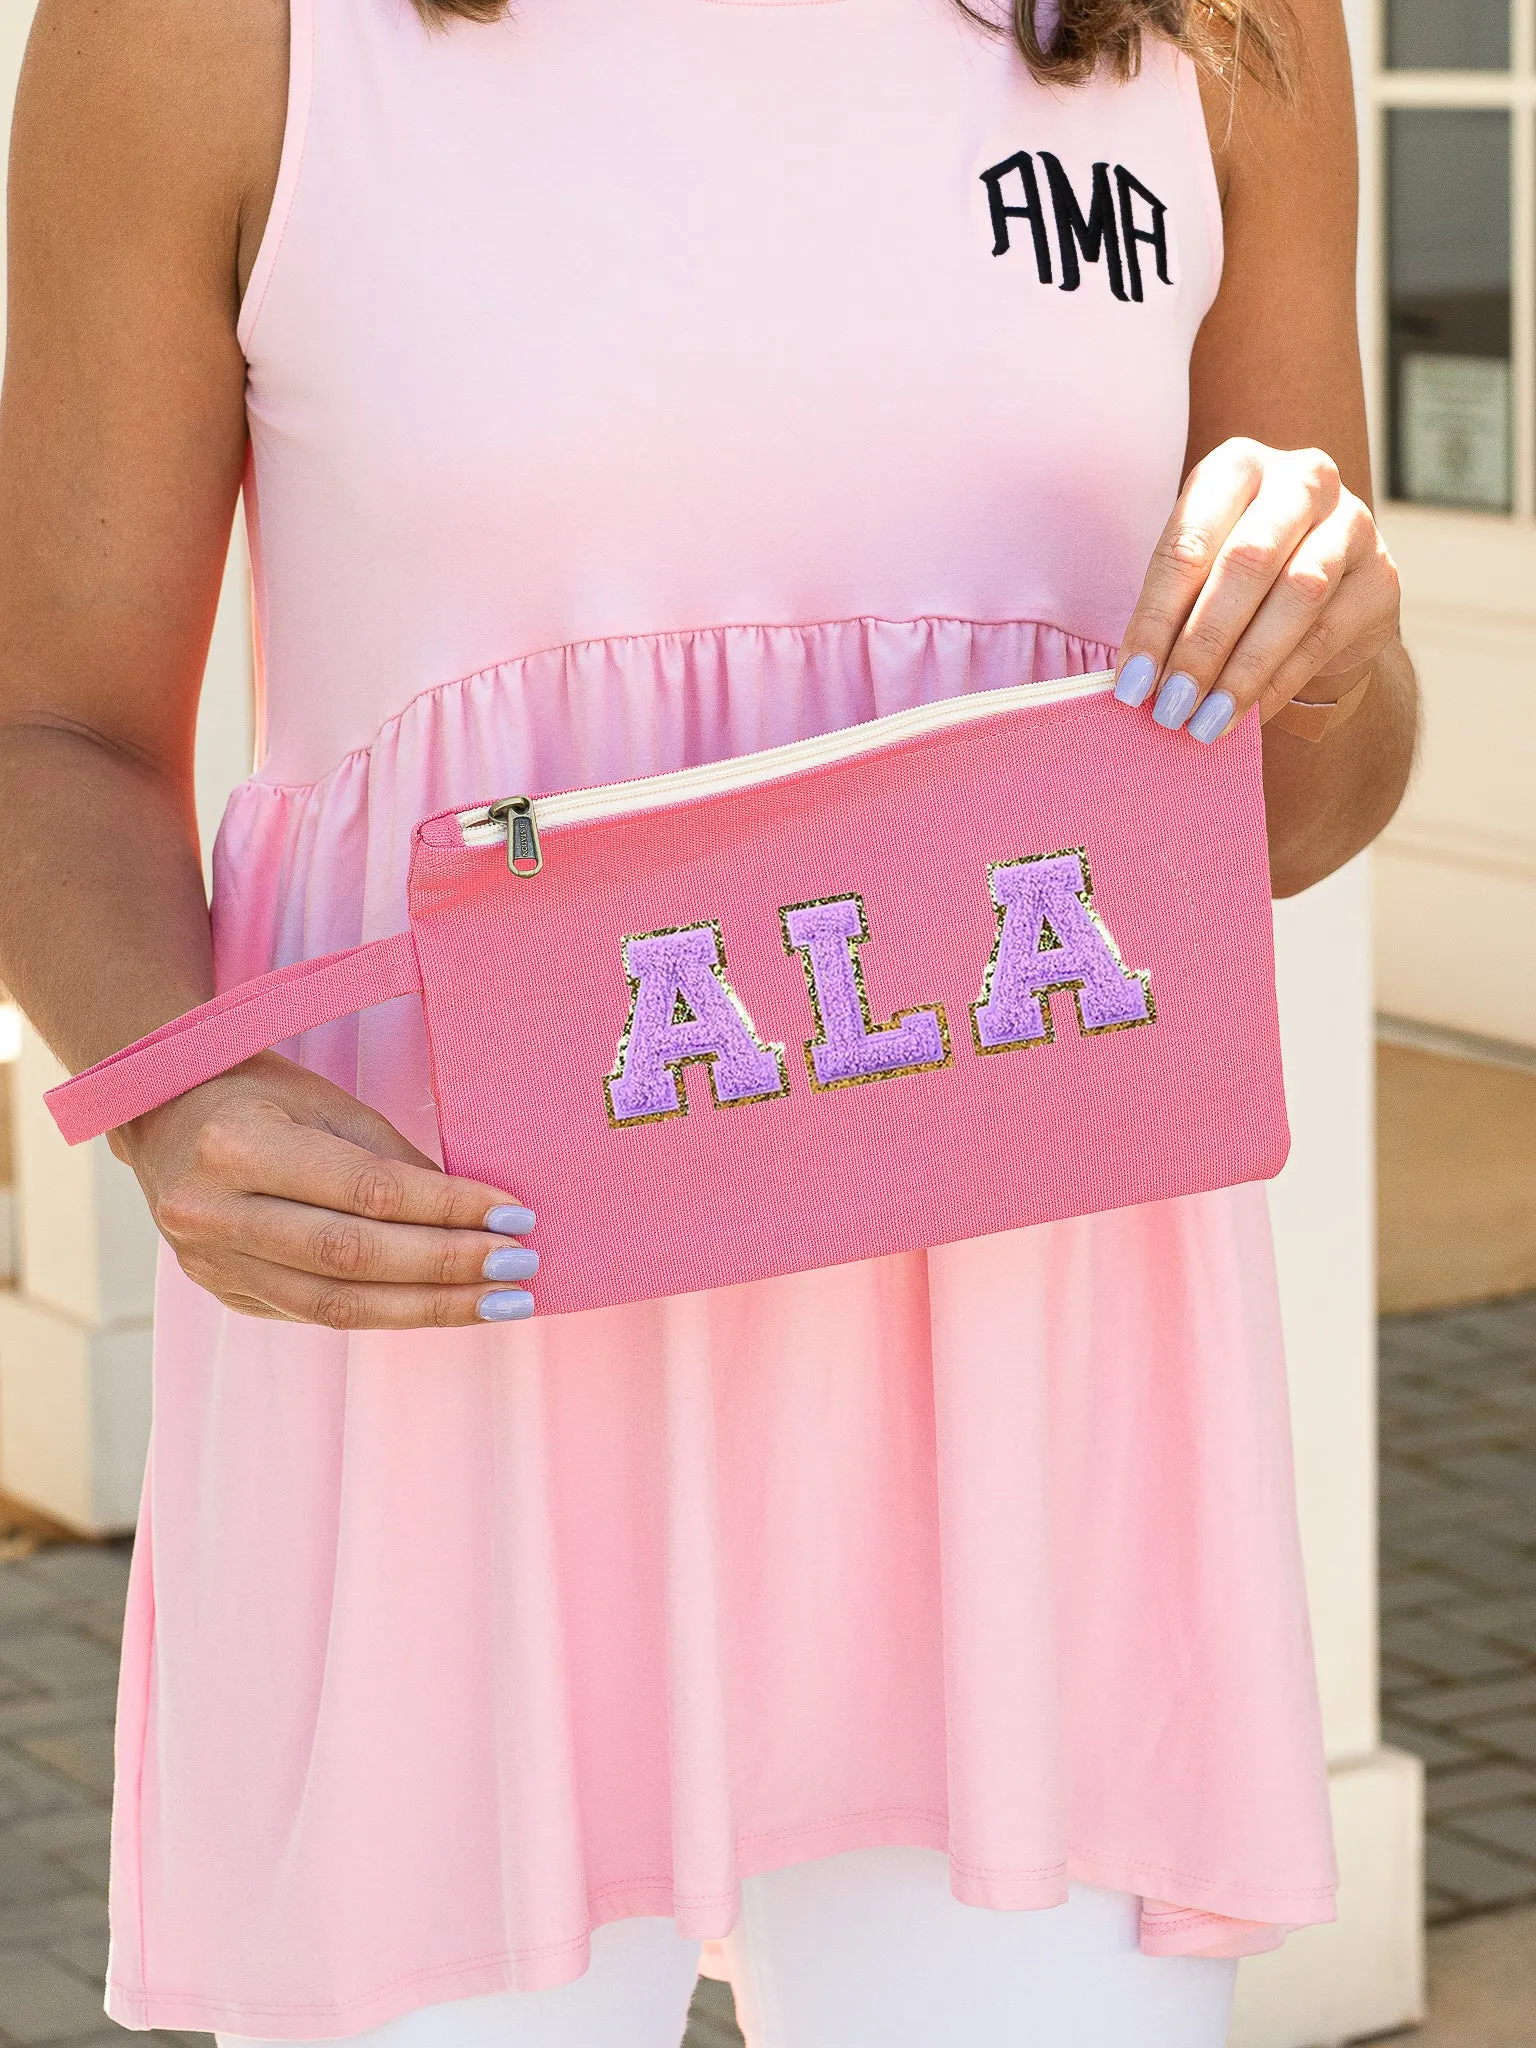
(82, 1754)
(712, 2023)
(1477, 1786)
(1482, 1985)
(1458, 1553)
(44, 2000)
(60, 1622)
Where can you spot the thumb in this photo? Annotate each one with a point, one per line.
(326, 1107)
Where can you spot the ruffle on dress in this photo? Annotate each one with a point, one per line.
(444, 1648)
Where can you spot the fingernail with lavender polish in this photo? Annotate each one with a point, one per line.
(507, 1305)
(510, 1262)
(512, 1220)
(1175, 701)
(1213, 717)
(1136, 679)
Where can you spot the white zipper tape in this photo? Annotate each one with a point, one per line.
(747, 771)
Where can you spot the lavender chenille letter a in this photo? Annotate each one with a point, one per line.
(1051, 938)
(683, 1008)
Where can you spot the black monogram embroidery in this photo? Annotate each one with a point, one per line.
(1123, 217)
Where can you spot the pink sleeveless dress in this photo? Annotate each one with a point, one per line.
(632, 386)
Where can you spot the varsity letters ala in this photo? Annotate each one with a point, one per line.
(1050, 941)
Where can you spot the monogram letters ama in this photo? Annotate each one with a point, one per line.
(1122, 218)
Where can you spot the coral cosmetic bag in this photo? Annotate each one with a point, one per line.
(997, 960)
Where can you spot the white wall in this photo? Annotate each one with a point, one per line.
(1456, 886)
(1324, 1212)
(15, 21)
(1363, 1975)
(1456, 870)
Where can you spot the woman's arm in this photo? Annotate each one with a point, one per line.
(143, 160)
(1271, 581)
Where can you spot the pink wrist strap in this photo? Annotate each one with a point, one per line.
(220, 1034)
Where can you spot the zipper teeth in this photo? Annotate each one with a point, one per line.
(746, 771)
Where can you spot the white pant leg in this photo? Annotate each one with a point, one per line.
(634, 1994)
(871, 1950)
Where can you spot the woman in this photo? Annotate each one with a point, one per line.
(614, 388)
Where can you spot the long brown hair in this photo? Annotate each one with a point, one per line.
(1224, 37)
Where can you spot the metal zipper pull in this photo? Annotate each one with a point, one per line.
(516, 813)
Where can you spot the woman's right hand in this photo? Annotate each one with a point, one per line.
(286, 1197)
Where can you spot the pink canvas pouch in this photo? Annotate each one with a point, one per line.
(998, 960)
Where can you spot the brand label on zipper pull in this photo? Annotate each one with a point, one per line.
(525, 856)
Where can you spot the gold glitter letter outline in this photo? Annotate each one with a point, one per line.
(718, 970)
(1074, 988)
(872, 1029)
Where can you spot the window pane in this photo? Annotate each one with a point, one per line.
(1448, 35)
(1448, 267)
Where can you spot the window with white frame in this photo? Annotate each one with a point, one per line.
(1456, 94)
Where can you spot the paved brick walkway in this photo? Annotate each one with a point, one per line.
(1458, 1538)
(60, 1615)
(1458, 1673)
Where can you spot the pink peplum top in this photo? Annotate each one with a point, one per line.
(633, 386)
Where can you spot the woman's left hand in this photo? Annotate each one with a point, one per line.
(1270, 578)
